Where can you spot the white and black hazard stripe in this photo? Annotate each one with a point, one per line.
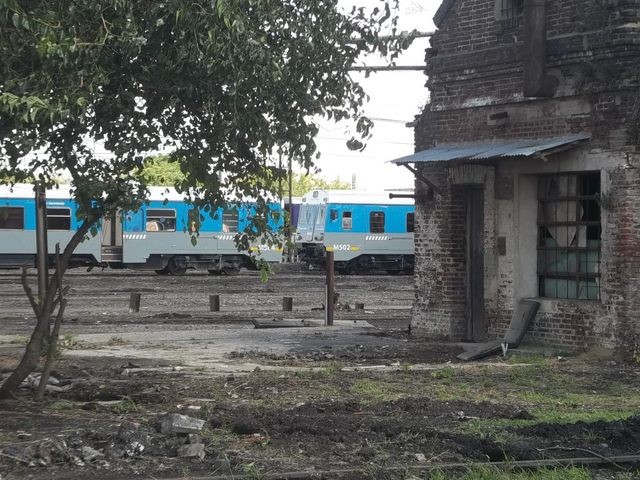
(226, 237)
(377, 237)
(134, 236)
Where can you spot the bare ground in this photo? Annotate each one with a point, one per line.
(363, 396)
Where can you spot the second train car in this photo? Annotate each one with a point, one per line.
(152, 238)
(366, 231)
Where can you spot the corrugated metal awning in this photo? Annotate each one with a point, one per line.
(489, 150)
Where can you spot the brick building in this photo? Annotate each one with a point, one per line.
(528, 172)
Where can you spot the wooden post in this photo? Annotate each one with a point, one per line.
(330, 296)
(359, 306)
(287, 304)
(42, 255)
(288, 229)
(134, 302)
(214, 303)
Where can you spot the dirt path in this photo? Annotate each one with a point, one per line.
(362, 396)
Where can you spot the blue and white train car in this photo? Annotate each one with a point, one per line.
(18, 227)
(156, 237)
(366, 231)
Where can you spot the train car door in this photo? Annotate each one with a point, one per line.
(112, 238)
(377, 237)
(319, 225)
(134, 237)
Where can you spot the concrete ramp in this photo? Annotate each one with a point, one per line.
(523, 316)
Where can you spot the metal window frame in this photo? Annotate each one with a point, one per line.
(382, 215)
(580, 252)
(413, 222)
(350, 217)
(235, 220)
(58, 216)
(15, 207)
(175, 217)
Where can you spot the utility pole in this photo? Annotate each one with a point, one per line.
(42, 255)
(289, 229)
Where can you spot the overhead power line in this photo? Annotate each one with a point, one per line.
(387, 68)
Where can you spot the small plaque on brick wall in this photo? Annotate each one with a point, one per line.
(502, 246)
(504, 188)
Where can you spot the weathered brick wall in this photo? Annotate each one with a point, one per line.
(440, 269)
(474, 70)
(621, 275)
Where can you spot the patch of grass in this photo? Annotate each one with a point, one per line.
(19, 340)
(488, 473)
(528, 358)
(492, 426)
(443, 373)
(62, 405)
(253, 471)
(67, 342)
(370, 391)
(124, 406)
(333, 367)
(116, 341)
(405, 367)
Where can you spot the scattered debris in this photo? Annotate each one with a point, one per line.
(176, 423)
(90, 454)
(192, 450)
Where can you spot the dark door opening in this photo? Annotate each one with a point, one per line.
(476, 328)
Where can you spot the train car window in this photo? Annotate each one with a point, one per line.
(230, 221)
(308, 215)
(161, 220)
(58, 219)
(410, 222)
(347, 221)
(334, 214)
(320, 217)
(376, 222)
(12, 218)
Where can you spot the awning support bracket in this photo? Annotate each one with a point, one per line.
(421, 177)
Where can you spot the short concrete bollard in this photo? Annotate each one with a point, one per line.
(134, 302)
(214, 303)
(287, 304)
(359, 306)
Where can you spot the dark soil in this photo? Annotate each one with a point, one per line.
(301, 409)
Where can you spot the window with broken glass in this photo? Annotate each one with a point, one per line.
(509, 12)
(569, 233)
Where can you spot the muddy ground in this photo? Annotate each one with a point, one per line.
(363, 399)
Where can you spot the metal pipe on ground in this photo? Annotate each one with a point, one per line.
(509, 465)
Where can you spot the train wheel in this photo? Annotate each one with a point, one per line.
(175, 268)
(231, 271)
(163, 271)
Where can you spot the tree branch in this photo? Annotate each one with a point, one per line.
(29, 292)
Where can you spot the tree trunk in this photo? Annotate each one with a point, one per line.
(43, 312)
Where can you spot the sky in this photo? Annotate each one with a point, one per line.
(396, 97)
